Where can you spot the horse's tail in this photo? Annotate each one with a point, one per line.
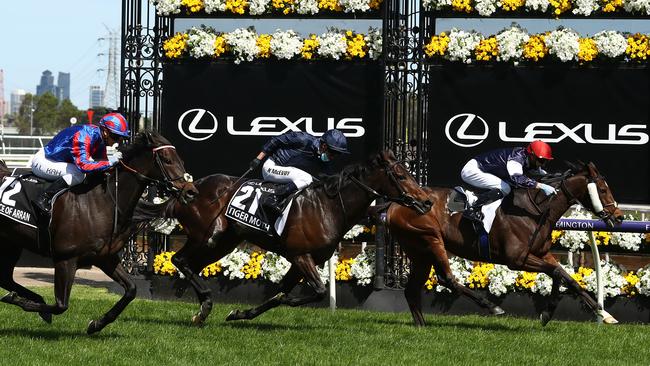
(146, 211)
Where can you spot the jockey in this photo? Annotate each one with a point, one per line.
(291, 156)
(497, 170)
(75, 151)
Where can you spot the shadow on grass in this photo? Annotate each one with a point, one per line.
(54, 334)
(457, 323)
(266, 327)
(156, 321)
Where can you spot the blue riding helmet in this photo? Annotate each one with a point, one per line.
(335, 141)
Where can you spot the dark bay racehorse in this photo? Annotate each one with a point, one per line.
(519, 238)
(318, 219)
(83, 229)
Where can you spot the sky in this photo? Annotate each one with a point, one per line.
(64, 36)
(60, 36)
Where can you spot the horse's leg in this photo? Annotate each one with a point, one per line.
(7, 264)
(554, 299)
(113, 269)
(420, 269)
(288, 282)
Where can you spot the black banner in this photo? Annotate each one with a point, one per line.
(220, 114)
(588, 114)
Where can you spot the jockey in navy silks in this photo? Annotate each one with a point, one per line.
(498, 170)
(75, 151)
(291, 156)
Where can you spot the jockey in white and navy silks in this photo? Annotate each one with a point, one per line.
(78, 150)
(293, 157)
(498, 170)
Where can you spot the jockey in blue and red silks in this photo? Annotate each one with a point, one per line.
(78, 150)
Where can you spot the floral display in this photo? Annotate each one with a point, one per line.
(554, 8)
(244, 44)
(514, 45)
(259, 7)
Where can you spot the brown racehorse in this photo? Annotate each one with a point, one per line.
(319, 217)
(519, 238)
(83, 230)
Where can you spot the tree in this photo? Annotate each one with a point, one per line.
(46, 113)
(24, 114)
(66, 111)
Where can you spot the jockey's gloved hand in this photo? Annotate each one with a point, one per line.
(548, 190)
(113, 159)
(255, 163)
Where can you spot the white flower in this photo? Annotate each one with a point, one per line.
(332, 45)
(274, 267)
(462, 44)
(537, 5)
(214, 6)
(575, 240)
(610, 43)
(511, 43)
(461, 268)
(637, 6)
(363, 268)
(233, 263)
(307, 6)
(485, 8)
(435, 4)
(631, 241)
(564, 44)
(501, 279)
(585, 7)
(644, 281)
(350, 6)
(324, 271)
(285, 45)
(167, 7)
(543, 284)
(613, 280)
(258, 7)
(244, 44)
(163, 226)
(374, 42)
(200, 43)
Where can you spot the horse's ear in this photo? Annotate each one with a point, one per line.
(574, 167)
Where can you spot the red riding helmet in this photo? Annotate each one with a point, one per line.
(540, 149)
(116, 123)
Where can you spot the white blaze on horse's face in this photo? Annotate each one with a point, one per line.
(595, 199)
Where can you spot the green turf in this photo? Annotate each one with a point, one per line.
(158, 333)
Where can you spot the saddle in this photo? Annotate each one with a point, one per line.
(245, 207)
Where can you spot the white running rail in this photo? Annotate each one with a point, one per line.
(17, 150)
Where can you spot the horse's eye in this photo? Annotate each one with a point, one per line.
(167, 161)
(401, 177)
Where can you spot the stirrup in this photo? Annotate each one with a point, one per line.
(43, 205)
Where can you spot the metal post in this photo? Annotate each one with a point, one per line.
(332, 271)
(380, 247)
(599, 277)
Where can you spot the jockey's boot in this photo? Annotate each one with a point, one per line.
(273, 202)
(473, 212)
(43, 201)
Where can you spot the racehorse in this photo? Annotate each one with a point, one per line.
(87, 229)
(520, 236)
(318, 219)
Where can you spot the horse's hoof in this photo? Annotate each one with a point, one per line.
(47, 317)
(497, 311)
(93, 327)
(197, 320)
(610, 320)
(9, 297)
(544, 317)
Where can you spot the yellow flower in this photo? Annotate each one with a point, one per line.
(610, 6)
(588, 50)
(162, 264)
(253, 268)
(462, 5)
(512, 5)
(375, 4)
(630, 287)
(526, 280)
(194, 6)
(602, 237)
(638, 47)
(264, 45)
(344, 269)
(175, 46)
(236, 6)
(487, 49)
(478, 278)
(555, 235)
(432, 281)
(332, 5)
(211, 269)
(437, 46)
(535, 49)
(560, 6)
(356, 45)
(220, 46)
(286, 6)
(581, 274)
(309, 46)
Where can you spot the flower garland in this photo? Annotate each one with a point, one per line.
(515, 45)
(554, 8)
(244, 44)
(259, 7)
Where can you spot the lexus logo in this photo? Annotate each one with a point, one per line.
(188, 121)
(456, 129)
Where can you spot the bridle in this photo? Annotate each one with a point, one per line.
(403, 199)
(167, 182)
(600, 206)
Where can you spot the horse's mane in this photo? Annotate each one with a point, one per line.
(141, 142)
(332, 184)
(554, 179)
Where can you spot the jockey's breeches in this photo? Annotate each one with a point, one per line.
(473, 175)
(285, 174)
(52, 170)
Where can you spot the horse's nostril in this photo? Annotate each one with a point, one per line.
(428, 203)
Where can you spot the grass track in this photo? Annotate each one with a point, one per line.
(158, 333)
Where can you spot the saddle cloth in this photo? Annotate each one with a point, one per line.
(460, 198)
(244, 207)
(17, 191)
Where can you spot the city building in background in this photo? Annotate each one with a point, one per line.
(96, 96)
(3, 106)
(16, 100)
(63, 84)
(47, 84)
